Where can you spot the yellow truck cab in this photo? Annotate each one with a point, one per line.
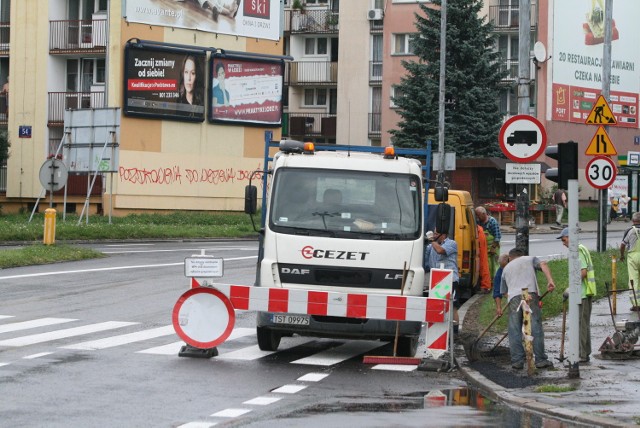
(464, 231)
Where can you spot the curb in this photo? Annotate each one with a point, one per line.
(501, 394)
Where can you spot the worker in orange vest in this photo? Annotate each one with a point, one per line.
(484, 279)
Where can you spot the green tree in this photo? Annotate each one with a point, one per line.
(473, 75)
(4, 146)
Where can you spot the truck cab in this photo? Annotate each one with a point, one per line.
(342, 221)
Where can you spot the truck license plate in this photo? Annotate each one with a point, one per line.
(291, 319)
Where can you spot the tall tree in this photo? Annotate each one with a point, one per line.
(473, 75)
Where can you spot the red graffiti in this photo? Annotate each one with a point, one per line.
(172, 175)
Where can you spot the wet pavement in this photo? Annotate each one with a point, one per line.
(607, 392)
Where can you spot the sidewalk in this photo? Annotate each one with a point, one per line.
(606, 393)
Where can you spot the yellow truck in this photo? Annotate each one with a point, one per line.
(464, 231)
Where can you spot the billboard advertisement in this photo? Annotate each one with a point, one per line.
(247, 18)
(578, 34)
(245, 90)
(164, 83)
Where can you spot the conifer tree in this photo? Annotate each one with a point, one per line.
(473, 75)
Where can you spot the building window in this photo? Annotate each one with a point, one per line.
(403, 44)
(396, 92)
(316, 2)
(315, 97)
(315, 46)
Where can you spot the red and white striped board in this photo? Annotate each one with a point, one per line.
(329, 303)
(433, 311)
(437, 333)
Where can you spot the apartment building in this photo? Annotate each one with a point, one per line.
(108, 55)
(338, 87)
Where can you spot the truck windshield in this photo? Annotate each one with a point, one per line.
(347, 204)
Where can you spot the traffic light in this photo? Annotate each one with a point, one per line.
(567, 156)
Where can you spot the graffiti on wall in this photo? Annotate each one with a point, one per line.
(170, 175)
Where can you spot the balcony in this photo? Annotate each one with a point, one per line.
(4, 110)
(61, 101)
(375, 124)
(376, 26)
(311, 73)
(375, 73)
(4, 38)
(301, 125)
(81, 37)
(506, 18)
(511, 66)
(3, 178)
(311, 21)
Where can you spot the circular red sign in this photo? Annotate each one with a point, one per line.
(601, 172)
(522, 138)
(203, 317)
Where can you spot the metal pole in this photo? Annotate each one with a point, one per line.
(443, 65)
(524, 75)
(574, 281)
(606, 85)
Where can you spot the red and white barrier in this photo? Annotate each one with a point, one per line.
(434, 311)
(437, 333)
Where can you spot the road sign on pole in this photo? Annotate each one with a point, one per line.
(601, 144)
(522, 138)
(601, 172)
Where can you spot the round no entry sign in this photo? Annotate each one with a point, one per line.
(203, 317)
(523, 138)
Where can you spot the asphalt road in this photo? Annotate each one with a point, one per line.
(91, 343)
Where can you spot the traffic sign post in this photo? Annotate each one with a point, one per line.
(522, 138)
(601, 172)
(601, 144)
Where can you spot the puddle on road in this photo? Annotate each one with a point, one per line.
(459, 407)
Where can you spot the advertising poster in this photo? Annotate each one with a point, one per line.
(578, 33)
(164, 83)
(248, 18)
(245, 91)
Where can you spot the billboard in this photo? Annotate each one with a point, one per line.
(246, 18)
(164, 83)
(245, 90)
(578, 34)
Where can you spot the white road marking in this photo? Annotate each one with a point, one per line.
(249, 353)
(197, 425)
(61, 334)
(395, 367)
(4, 364)
(64, 272)
(169, 349)
(231, 413)
(262, 401)
(312, 377)
(174, 348)
(110, 342)
(6, 316)
(289, 389)
(340, 353)
(5, 328)
(34, 356)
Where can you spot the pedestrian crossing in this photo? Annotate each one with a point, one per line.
(42, 337)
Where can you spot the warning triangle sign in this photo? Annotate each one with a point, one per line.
(601, 144)
(601, 114)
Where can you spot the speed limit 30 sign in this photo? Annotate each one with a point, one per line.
(601, 172)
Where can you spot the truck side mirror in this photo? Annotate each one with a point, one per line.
(250, 199)
(441, 193)
(443, 218)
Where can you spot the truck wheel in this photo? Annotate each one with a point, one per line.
(407, 346)
(268, 340)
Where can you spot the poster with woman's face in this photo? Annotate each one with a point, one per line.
(244, 90)
(164, 83)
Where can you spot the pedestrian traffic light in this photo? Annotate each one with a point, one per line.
(567, 156)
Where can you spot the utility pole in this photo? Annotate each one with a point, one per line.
(524, 74)
(606, 85)
(443, 67)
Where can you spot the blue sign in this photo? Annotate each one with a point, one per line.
(24, 131)
(636, 140)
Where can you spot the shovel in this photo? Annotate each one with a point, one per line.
(473, 352)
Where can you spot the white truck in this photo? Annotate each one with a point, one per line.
(340, 219)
